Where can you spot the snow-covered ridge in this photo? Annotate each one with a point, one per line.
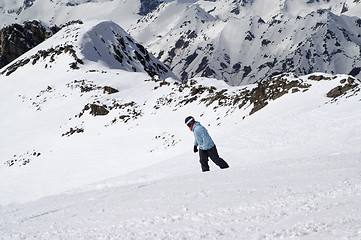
(105, 43)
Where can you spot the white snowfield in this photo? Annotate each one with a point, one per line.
(79, 161)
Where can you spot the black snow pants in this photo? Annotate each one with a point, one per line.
(213, 154)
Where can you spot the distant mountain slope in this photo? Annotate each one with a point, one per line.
(250, 49)
(58, 12)
(126, 13)
(241, 41)
(102, 43)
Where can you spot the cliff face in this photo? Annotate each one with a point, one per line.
(147, 6)
(17, 39)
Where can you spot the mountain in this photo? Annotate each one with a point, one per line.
(126, 13)
(94, 146)
(240, 42)
(249, 49)
(102, 43)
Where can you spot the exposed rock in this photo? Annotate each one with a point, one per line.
(17, 39)
(147, 6)
(272, 89)
(22, 159)
(98, 110)
(110, 90)
(42, 54)
(254, 98)
(342, 89)
(72, 131)
(318, 78)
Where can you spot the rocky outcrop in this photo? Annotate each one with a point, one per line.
(23, 159)
(346, 86)
(147, 6)
(17, 39)
(253, 98)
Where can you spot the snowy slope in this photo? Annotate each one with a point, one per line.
(295, 163)
(91, 149)
(54, 79)
(305, 198)
(79, 119)
(74, 113)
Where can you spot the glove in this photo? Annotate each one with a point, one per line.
(195, 149)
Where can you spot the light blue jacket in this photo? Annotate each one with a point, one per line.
(202, 138)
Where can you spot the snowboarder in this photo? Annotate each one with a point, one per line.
(206, 146)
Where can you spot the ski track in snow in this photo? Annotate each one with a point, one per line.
(311, 198)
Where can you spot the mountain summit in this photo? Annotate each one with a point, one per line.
(102, 43)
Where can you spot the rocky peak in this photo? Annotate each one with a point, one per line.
(101, 42)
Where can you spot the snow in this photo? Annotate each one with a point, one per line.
(294, 165)
(283, 199)
(268, 193)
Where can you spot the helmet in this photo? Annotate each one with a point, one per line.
(189, 121)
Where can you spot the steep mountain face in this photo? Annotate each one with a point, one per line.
(104, 43)
(147, 6)
(17, 39)
(249, 49)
